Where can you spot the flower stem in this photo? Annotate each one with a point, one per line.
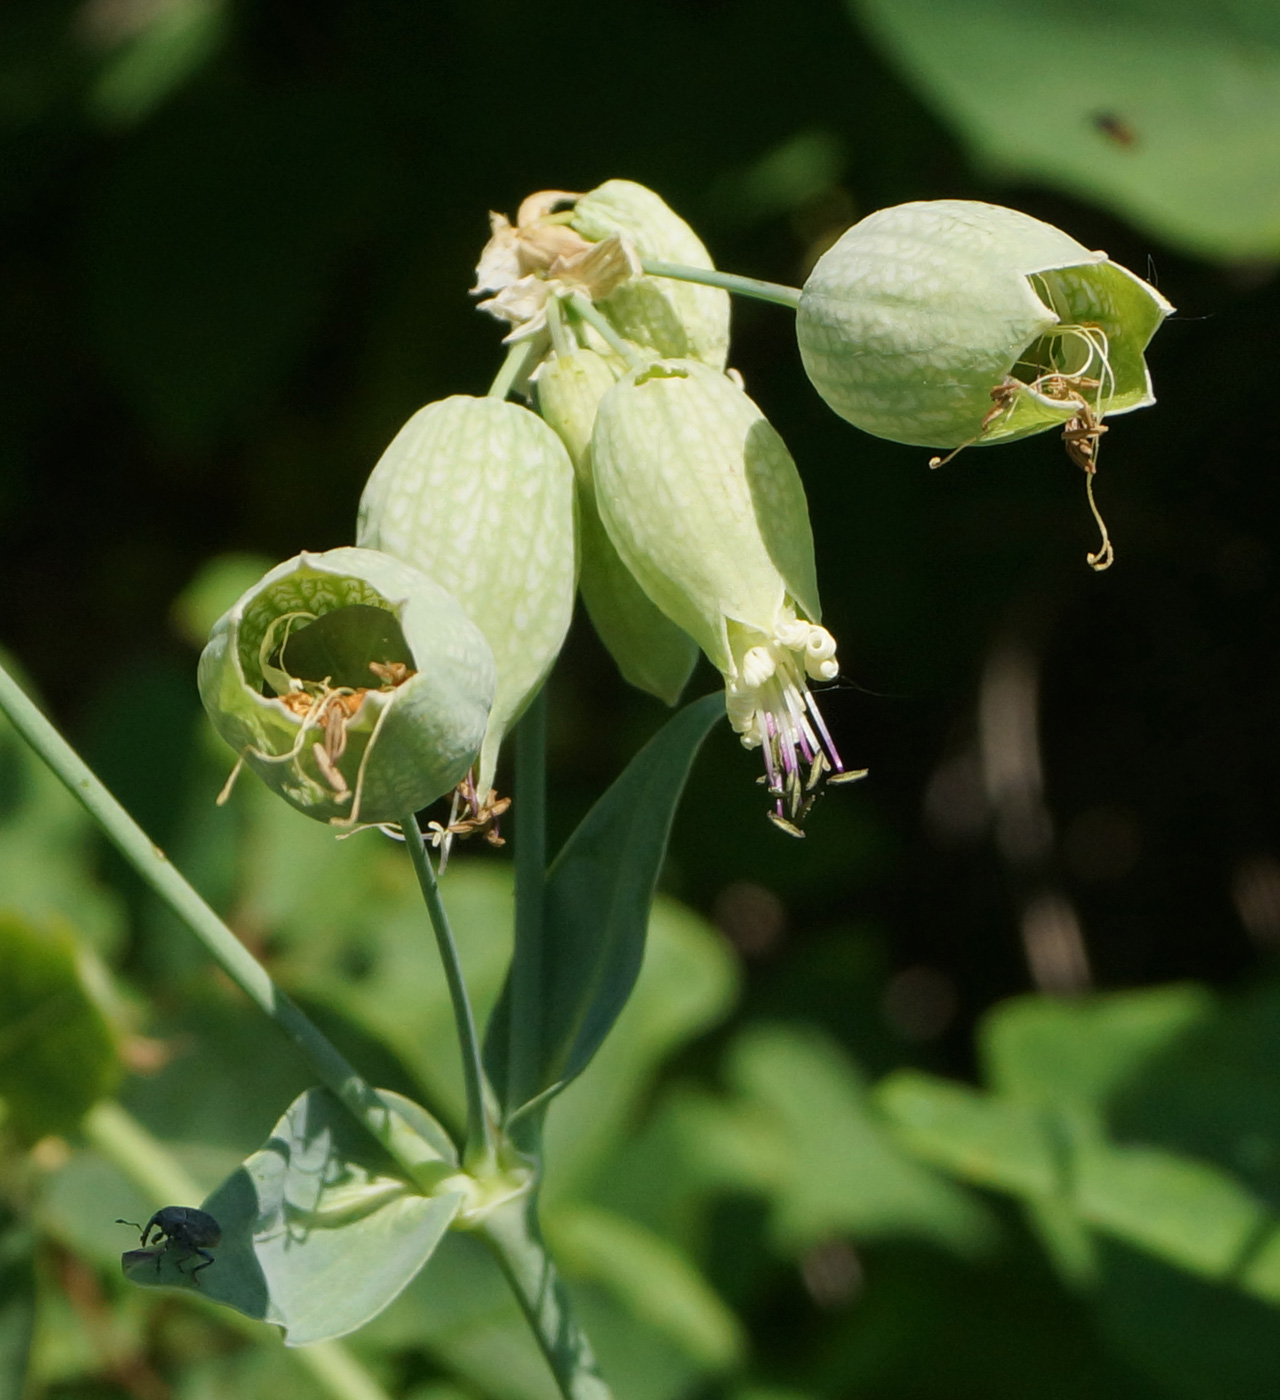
(562, 342)
(480, 1144)
(587, 310)
(418, 1159)
(512, 1234)
(123, 1141)
(524, 1045)
(726, 281)
(518, 357)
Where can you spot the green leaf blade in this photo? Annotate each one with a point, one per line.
(598, 894)
(1169, 117)
(319, 1232)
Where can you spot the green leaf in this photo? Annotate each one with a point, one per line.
(836, 1168)
(1167, 113)
(598, 893)
(319, 1232)
(213, 589)
(461, 1310)
(57, 1048)
(1045, 1050)
(17, 1301)
(47, 846)
(986, 1140)
(181, 39)
(1188, 1213)
(652, 1279)
(687, 982)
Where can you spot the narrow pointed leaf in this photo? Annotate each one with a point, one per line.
(597, 905)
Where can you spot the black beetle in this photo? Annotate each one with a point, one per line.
(185, 1228)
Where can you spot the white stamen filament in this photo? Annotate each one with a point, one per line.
(771, 707)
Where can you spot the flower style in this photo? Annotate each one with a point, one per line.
(705, 507)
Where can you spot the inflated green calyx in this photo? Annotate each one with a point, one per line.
(651, 651)
(949, 322)
(663, 316)
(705, 507)
(352, 684)
(478, 494)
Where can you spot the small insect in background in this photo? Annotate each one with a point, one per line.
(181, 1228)
(1114, 128)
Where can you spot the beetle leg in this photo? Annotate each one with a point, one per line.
(191, 1273)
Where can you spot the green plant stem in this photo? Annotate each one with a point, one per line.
(511, 1232)
(562, 342)
(122, 1140)
(518, 357)
(480, 1142)
(587, 310)
(417, 1158)
(524, 1045)
(726, 281)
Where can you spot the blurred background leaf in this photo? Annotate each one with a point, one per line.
(1168, 113)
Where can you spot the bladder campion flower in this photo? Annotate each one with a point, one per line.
(566, 245)
(705, 507)
(664, 317)
(651, 651)
(478, 494)
(949, 322)
(352, 684)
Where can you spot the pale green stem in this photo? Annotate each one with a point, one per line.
(480, 1144)
(524, 1045)
(518, 357)
(511, 1232)
(561, 341)
(122, 1140)
(417, 1158)
(585, 308)
(727, 281)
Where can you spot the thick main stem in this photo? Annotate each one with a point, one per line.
(417, 1158)
(726, 281)
(524, 1045)
(480, 1144)
(512, 1233)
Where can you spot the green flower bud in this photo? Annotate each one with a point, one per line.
(664, 316)
(478, 494)
(651, 651)
(950, 322)
(352, 684)
(705, 507)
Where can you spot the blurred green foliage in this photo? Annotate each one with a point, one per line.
(236, 243)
